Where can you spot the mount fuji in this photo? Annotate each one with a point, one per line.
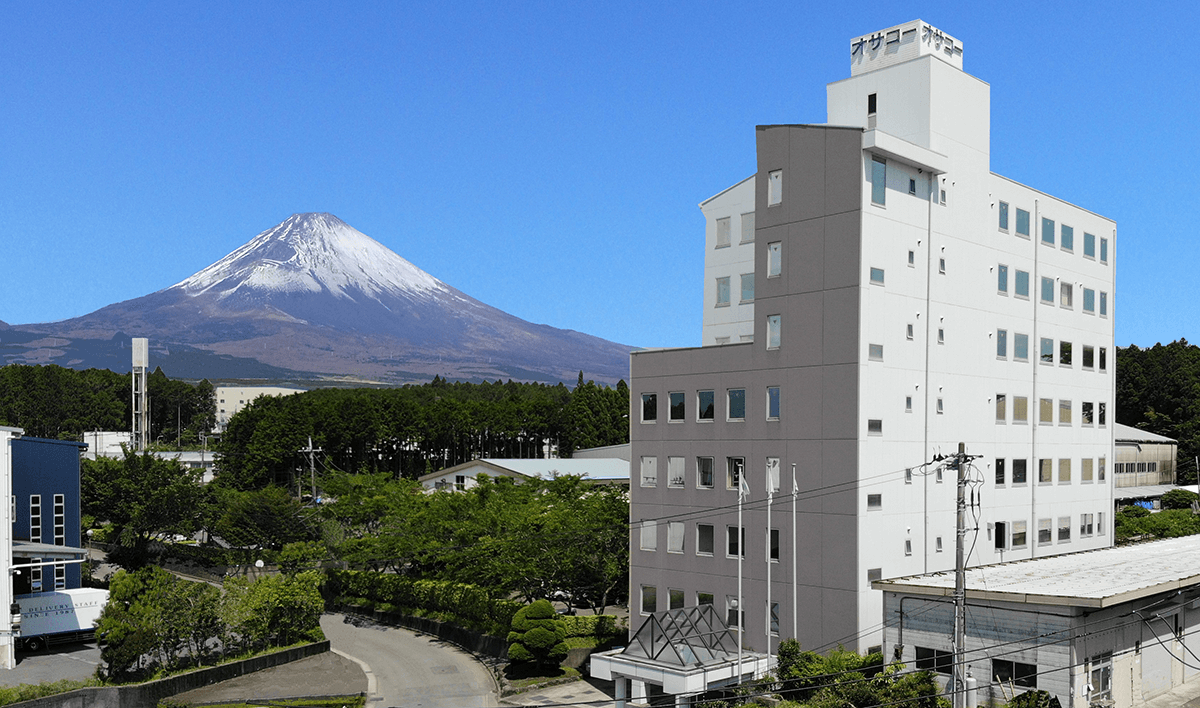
(313, 298)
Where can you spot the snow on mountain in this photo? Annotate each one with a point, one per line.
(312, 253)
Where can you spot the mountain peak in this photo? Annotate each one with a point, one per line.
(311, 253)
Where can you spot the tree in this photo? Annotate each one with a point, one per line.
(537, 635)
(1179, 499)
(843, 678)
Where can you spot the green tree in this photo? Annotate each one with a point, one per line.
(843, 678)
(537, 635)
(1179, 499)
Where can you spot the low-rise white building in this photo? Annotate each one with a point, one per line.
(463, 477)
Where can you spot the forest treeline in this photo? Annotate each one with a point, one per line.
(408, 431)
(1158, 390)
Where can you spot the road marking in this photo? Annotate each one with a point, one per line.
(371, 686)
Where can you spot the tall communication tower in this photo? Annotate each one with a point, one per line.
(141, 410)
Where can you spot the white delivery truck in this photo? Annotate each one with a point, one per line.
(58, 617)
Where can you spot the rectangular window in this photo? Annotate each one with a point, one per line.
(912, 259)
(1103, 304)
(723, 292)
(748, 227)
(942, 266)
(734, 618)
(1023, 222)
(875, 352)
(773, 474)
(774, 614)
(1103, 359)
(1045, 531)
(1064, 353)
(1002, 279)
(704, 472)
(773, 331)
(774, 259)
(940, 408)
(1086, 527)
(675, 473)
(1089, 300)
(649, 536)
(1066, 238)
(908, 404)
(908, 546)
(773, 403)
(1001, 408)
(874, 501)
(1100, 515)
(1023, 675)
(1047, 231)
(1086, 416)
(649, 471)
(674, 537)
(1064, 529)
(1046, 411)
(1019, 539)
(1089, 356)
(747, 287)
(35, 576)
(912, 186)
(1020, 409)
(1045, 471)
(1002, 343)
(908, 331)
(704, 598)
(675, 410)
(877, 276)
(60, 527)
(1020, 347)
(35, 518)
(731, 536)
(941, 336)
(1047, 352)
(935, 660)
(723, 232)
(1085, 469)
(1019, 471)
(674, 599)
(704, 539)
(60, 576)
(1004, 216)
(734, 468)
(875, 426)
(1104, 250)
(1001, 536)
(1064, 412)
(773, 545)
(1064, 471)
(774, 188)
(1066, 295)
(649, 599)
(878, 181)
(737, 404)
(1089, 245)
(1021, 288)
(705, 405)
(1101, 419)
(1000, 472)
(1048, 290)
(649, 407)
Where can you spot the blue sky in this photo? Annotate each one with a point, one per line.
(545, 158)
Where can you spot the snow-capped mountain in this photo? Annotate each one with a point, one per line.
(315, 295)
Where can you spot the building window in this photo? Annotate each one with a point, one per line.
(1064, 529)
(734, 468)
(773, 333)
(1089, 245)
(35, 518)
(1086, 527)
(1047, 231)
(731, 537)
(705, 405)
(1046, 411)
(35, 576)
(674, 537)
(1103, 359)
(773, 474)
(723, 292)
(1001, 536)
(1004, 216)
(460, 482)
(1066, 295)
(1019, 539)
(1045, 531)
(912, 259)
(908, 331)
(649, 538)
(1023, 675)
(912, 186)
(774, 188)
(704, 598)
(1089, 356)
(1019, 471)
(1048, 290)
(1066, 238)
(1045, 471)
(1104, 250)
(1047, 353)
(675, 408)
(1020, 409)
(704, 472)
(875, 352)
(1021, 286)
(942, 266)
(908, 404)
(908, 476)
(1001, 408)
(1100, 516)
(773, 627)
(1020, 347)
(649, 407)
(649, 471)
(878, 181)
(1089, 300)
(1085, 469)
(1103, 304)
(60, 576)
(675, 473)
(877, 276)
(774, 259)
(1086, 416)
(734, 618)
(937, 545)
(1064, 412)
(1000, 473)
(737, 404)
(1064, 353)
(649, 599)
(1001, 343)
(748, 227)
(674, 599)
(723, 232)
(1100, 679)
(773, 545)
(935, 660)
(1064, 471)
(704, 539)
(772, 403)
(941, 336)
(1022, 223)
(1103, 407)
(874, 501)
(875, 426)
(940, 408)
(1002, 279)
(908, 546)
(747, 287)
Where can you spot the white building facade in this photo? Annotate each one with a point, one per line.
(231, 399)
(904, 299)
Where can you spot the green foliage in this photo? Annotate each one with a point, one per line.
(843, 678)
(275, 610)
(537, 635)
(301, 555)
(1179, 499)
(467, 605)
(1158, 389)
(1170, 523)
(29, 691)
(1133, 511)
(1035, 699)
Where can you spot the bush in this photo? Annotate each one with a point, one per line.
(1179, 499)
(537, 635)
(467, 605)
(1134, 511)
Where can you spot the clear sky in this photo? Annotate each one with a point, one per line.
(545, 158)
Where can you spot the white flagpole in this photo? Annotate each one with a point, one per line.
(743, 491)
(795, 619)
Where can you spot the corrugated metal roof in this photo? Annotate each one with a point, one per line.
(1144, 491)
(1125, 433)
(1098, 578)
(597, 468)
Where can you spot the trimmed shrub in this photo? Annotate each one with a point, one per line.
(537, 635)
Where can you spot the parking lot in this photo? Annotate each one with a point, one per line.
(64, 661)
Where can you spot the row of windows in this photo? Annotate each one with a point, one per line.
(735, 468)
(675, 601)
(746, 280)
(1094, 302)
(1090, 413)
(1014, 534)
(879, 184)
(724, 228)
(1015, 471)
(1092, 358)
(705, 402)
(1134, 467)
(1054, 234)
(1003, 670)
(705, 541)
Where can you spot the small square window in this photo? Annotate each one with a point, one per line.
(737, 404)
(877, 276)
(875, 352)
(874, 501)
(875, 426)
(774, 188)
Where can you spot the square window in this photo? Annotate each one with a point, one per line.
(675, 472)
(1066, 295)
(704, 598)
(874, 426)
(1021, 287)
(1064, 353)
(1019, 471)
(704, 539)
(1022, 223)
(704, 405)
(1020, 409)
(875, 352)
(649, 536)
(1002, 343)
(1064, 471)
(877, 276)
(704, 472)
(737, 404)
(1002, 279)
(748, 227)
(722, 292)
(774, 188)
(674, 537)
(747, 287)
(772, 403)
(1104, 250)
(723, 232)
(649, 471)
(1021, 347)
(735, 467)
(773, 331)
(1047, 231)
(1089, 300)
(649, 599)
(878, 181)
(1004, 216)
(649, 407)
(774, 259)
(1048, 290)
(1001, 408)
(1089, 245)
(1066, 238)
(874, 501)
(676, 411)
(1047, 352)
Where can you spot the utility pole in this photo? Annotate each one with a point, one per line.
(312, 467)
(960, 583)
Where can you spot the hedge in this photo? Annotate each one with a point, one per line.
(599, 626)
(466, 605)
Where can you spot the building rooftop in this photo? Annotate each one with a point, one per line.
(1143, 492)
(1125, 433)
(597, 469)
(1099, 578)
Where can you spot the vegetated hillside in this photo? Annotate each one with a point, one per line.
(1158, 389)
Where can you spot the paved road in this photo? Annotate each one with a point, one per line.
(65, 661)
(411, 670)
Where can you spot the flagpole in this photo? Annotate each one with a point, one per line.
(795, 619)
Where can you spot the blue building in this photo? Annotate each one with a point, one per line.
(45, 511)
